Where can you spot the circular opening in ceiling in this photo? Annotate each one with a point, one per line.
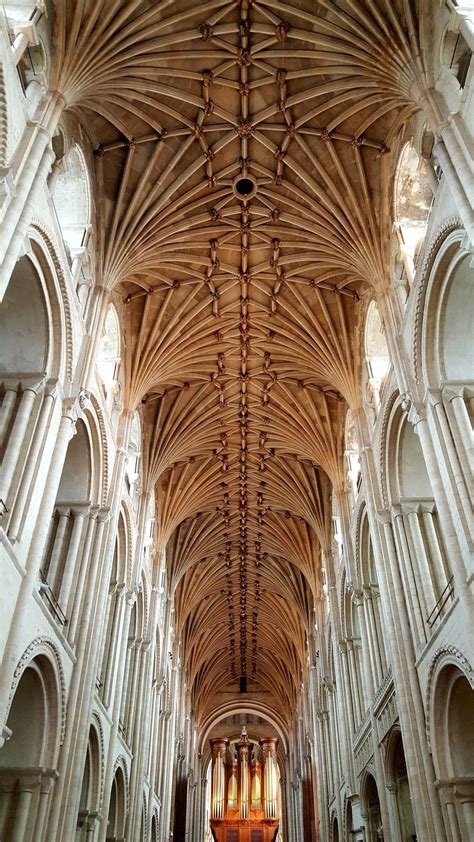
(244, 187)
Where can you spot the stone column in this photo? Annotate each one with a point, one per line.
(369, 688)
(117, 607)
(33, 178)
(419, 420)
(79, 513)
(52, 573)
(412, 577)
(170, 766)
(7, 408)
(393, 812)
(30, 580)
(72, 756)
(402, 657)
(15, 443)
(349, 689)
(372, 635)
(115, 710)
(458, 403)
(345, 754)
(323, 792)
(31, 465)
(420, 770)
(141, 745)
(452, 434)
(453, 180)
(47, 780)
(95, 515)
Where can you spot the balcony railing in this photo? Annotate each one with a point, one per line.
(51, 601)
(446, 596)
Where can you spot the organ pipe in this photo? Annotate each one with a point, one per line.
(218, 748)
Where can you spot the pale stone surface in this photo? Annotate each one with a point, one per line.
(236, 437)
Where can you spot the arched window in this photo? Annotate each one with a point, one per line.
(376, 356)
(447, 365)
(108, 357)
(456, 358)
(413, 200)
(72, 201)
(134, 453)
(352, 454)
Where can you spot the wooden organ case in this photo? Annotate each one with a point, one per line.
(244, 790)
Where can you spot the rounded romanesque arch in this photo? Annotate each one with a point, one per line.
(443, 247)
(450, 717)
(371, 809)
(398, 787)
(118, 802)
(36, 720)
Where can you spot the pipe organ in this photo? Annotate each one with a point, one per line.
(245, 790)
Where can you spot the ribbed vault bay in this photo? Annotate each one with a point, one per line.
(241, 315)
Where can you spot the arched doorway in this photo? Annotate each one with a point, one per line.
(28, 759)
(371, 811)
(452, 726)
(398, 787)
(117, 808)
(89, 803)
(335, 831)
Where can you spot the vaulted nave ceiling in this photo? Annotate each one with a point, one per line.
(242, 314)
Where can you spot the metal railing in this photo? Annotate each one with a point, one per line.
(51, 601)
(446, 595)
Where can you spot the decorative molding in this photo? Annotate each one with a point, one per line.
(359, 512)
(97, 722)
(444, 656)
(3, 120)
(48, 240)
(42, 646)
(121, 763)
(104, 447)
(387, 415)
(125, 511)
(449, 225)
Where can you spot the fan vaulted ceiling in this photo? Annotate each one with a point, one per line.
(242, 315)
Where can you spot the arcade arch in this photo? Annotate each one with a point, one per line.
(29, 758)
(452, 738)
